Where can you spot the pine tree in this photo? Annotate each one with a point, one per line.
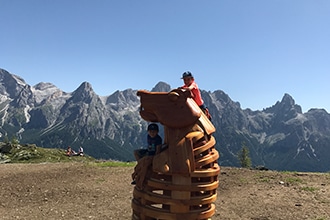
(14, 140)
(244, 157)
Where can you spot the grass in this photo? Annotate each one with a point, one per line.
(293, 180)
(264, 179)
(42, 155)
(114, 164)
(309, 188)
(30, 153)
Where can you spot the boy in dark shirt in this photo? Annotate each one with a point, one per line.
(154, 143)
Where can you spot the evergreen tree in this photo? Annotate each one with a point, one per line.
(244, 157)
(14, 140)
(6, 139)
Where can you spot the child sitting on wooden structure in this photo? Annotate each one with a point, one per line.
(154, 144)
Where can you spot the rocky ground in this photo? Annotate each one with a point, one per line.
(85, 191)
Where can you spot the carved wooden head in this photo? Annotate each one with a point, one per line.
(173, 109)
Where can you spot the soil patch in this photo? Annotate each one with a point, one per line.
(85, 191)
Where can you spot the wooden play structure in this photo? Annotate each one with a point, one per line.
(180, 182)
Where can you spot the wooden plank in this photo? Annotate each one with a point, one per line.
(212, 157)
(188, 188)
(180, 195)
(214, 171)
(155, 198)
(204, 147)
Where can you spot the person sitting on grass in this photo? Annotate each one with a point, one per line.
(81, 151)
(69, 151)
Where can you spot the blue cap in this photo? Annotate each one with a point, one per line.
(153, 127)
(186, 74)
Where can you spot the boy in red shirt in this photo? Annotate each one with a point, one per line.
(191, 85)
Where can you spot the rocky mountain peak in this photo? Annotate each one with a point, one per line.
(288, 104)
(84, 93)
(161, 87)
(84, 87)
(286, 108)
(319, 119)
(44, 86)
(45, 92)
(10, 84)
(123, 99)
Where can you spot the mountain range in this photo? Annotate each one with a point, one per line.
(279, 137)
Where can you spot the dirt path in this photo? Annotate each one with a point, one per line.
(82, 191)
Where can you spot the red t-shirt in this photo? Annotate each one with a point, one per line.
(195, 93)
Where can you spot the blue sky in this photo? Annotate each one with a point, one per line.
(253, 50)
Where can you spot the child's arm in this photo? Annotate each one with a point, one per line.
(191, 87)
(158, 148)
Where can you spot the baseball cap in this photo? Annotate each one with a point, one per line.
(186, 74)
(153, 127)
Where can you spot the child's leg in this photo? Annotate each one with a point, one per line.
(138, 154)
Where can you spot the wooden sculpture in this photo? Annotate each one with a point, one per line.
(180, 182)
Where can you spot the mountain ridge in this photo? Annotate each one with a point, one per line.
(280, 136)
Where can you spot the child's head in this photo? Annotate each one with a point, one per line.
(188, 78)
(153, 129)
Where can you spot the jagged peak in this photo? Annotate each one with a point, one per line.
(85, 86)
(161, 87)
(288, 99)
(5, 75)
(286, 105)
(221, 95)
(44, 86)
(46, 91)
(122, 96)
(84, 92)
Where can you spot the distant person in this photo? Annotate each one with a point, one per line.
(81, 151)
(191, 85)
(154, 142)
(69, 151)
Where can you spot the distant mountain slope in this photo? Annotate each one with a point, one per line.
(279, 137)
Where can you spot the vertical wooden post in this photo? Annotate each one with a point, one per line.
(185, 195)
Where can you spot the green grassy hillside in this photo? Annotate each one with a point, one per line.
(30, 153)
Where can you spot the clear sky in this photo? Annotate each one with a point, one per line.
(253, 50)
